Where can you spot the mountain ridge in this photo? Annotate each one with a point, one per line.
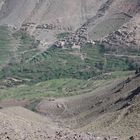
(92, 13)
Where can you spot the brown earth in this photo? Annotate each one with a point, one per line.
(46, 18)
(14, 102)
(126, 38)
(17, 123)
(114, 108)
(109, 112)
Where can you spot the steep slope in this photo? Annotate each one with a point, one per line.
(109, 18)
(54, 13)
(20, 123)
(46, 11)
(112, 15)
(126, 40)
(14, 12)
(113, 107)
(45, 19)
(8, 46)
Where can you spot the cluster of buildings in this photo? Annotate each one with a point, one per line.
(77, 38)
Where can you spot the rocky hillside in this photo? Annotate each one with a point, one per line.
(14, 124)
(97, 110)
(45, 18)
(112, 109)
(126, 39)
(72, 62)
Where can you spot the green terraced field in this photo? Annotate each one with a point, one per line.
(5, 46)
(55, 63)
(59, 87)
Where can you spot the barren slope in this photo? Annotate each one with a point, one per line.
(113, 108)
(19, 123)
(64, 15)
(111, 16)
(46, 18)
(126, 39)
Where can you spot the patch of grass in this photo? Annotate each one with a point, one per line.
(26, 41)
(56, 63)
(118, 74)
(95, 57)
(113, 63)
(52, 64)
(62, 35)
(51, 88)
(58, 88)
(5, 46)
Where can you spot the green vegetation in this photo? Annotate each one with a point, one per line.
(118, 74)
(113, 75)
(59, 88)
(62, 35)
(96, 57)
(55, 63)
(133, 52)
(58, 63)
(51, 88)
(27, 48)
(4, 45)
(33, 104)
(26, 41)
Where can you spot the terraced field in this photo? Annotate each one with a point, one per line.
(30, 62)
(31, 94)
(5, 46)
